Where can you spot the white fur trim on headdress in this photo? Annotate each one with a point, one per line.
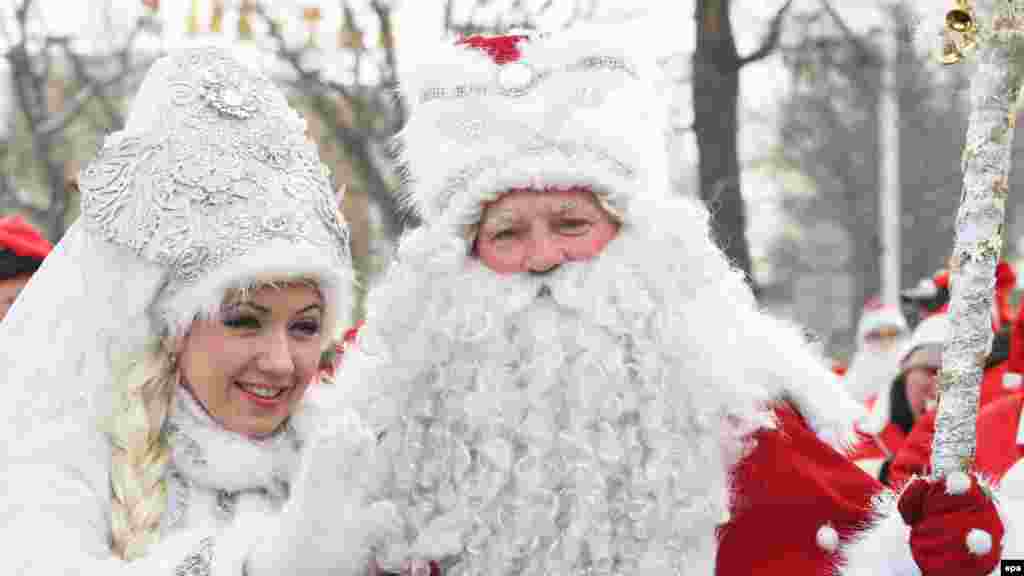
(884, 317)
(274, 262)
(564, 114)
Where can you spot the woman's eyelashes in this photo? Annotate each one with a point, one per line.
(250, 322)
(241, 321)
(307, 326)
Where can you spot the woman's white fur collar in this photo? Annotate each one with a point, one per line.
(206, 454)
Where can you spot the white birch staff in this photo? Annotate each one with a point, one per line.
(988, 33)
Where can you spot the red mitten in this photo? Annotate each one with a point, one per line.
(954, 526)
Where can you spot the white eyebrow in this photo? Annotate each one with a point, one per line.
(505, 216)
(567, 206)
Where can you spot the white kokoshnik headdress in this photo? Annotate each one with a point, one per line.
(223, 175)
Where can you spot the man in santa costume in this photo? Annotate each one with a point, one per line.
(903, 399)
(566, 376)
(22, 251)
(881, 332)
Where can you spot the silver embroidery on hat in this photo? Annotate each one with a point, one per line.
(231, 170)
(198, 563)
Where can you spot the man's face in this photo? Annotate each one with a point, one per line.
(883, 339)
(9, 290)
(530, 231)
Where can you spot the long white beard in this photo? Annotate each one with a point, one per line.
(591, 430)
(872, 371)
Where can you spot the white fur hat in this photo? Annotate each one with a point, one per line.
(932, 332)
(876, 316)
(487, 115)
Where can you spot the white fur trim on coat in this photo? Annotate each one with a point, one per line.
(1011, 485)
(328, 526)
(882, 549)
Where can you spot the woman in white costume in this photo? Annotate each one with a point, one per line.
(156, 365)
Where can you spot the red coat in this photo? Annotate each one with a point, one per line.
(996, 438)
(997, 431)
(993, 386)
(789, 487)
(871, 450)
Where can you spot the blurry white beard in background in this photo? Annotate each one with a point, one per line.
(873, 369)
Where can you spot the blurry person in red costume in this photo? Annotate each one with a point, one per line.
(881, 334)
(22, 250)
(931, 296)
(1000, 436)
(567, 377)
(904, 400)
(1000, 442)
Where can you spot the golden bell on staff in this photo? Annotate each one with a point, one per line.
(960, 33)
(961, 18)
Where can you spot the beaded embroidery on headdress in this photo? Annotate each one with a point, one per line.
(229, 169)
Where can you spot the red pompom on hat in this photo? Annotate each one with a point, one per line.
(501, 49)
(21, 238)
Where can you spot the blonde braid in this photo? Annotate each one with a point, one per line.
(140, 452)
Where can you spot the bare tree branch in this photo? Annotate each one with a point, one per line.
(357, 141)
(60, 120)
(48, 115)
(126, 69)
(387, 34)
(866, 51)
(294, 57)
(771, 41)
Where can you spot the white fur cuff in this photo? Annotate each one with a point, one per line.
(884, 547)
